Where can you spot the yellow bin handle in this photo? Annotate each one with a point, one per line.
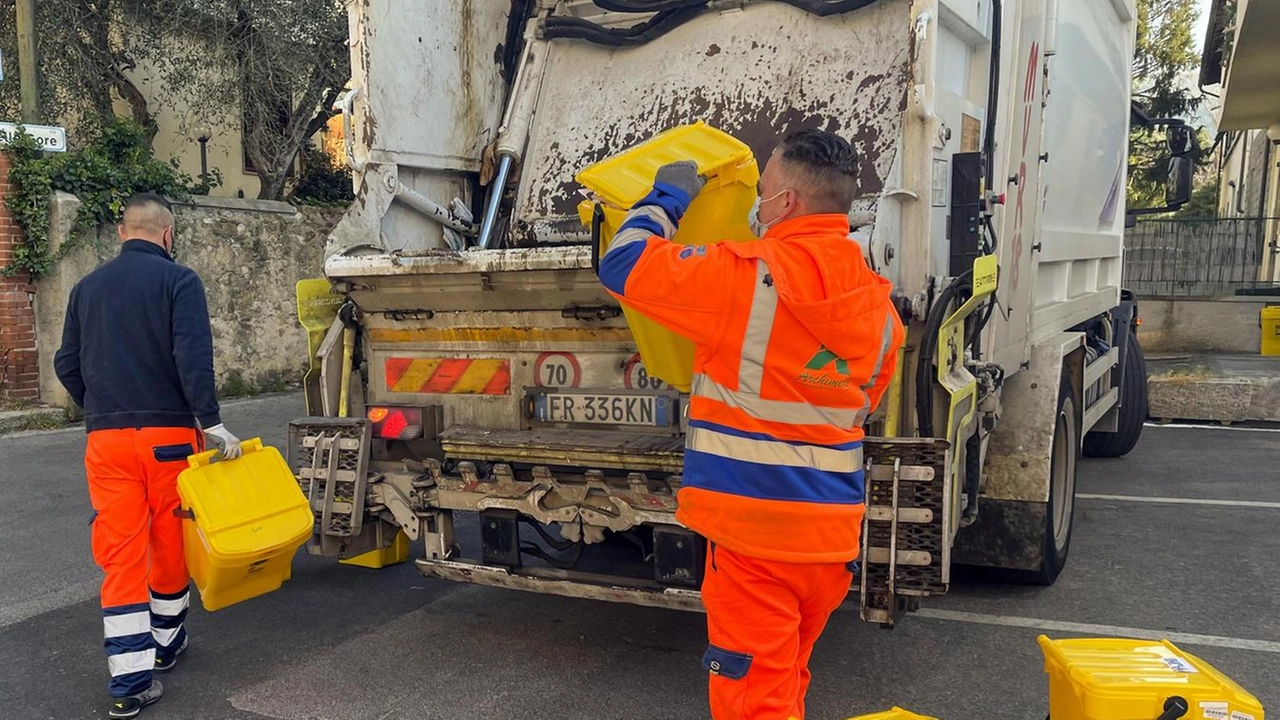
(252, 445)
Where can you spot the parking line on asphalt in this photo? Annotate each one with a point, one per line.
(1212, 427)
(1181, 638)
(1181, 501)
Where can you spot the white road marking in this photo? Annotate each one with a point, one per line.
(1180, 638)
(1211, 427)
(1181, 501)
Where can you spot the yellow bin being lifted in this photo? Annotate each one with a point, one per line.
(1113, 679)
(718, 213)
(245, 519)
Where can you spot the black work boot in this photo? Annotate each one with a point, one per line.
(165, 663)
(129, 707)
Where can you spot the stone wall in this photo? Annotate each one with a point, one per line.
(1186, 325)
(19, 373)
(249, 253)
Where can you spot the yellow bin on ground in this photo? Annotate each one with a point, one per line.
(718, 213)
(896, 713)
(1270, 320)
(245, 519)
(1114, 679)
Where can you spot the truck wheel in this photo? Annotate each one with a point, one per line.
(1133, 409)
(1064, 462)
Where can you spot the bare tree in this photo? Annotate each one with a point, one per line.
(281, 62)
(268, 68)
(85, 61)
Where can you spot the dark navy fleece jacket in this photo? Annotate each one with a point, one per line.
(136, 347)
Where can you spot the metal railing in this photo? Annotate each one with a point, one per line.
(1198, 258)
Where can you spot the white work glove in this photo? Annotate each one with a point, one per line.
(221, 438)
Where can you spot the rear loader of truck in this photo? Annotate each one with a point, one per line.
(478, 392)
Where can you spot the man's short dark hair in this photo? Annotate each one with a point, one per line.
(146, 212)
(146, 198)
(827, 168)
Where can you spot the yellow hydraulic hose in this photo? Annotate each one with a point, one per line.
(893, 409)
(348, 352)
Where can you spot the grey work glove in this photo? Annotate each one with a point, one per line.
(682, 175)
(220, 437)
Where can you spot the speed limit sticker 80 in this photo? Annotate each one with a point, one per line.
(636, 377)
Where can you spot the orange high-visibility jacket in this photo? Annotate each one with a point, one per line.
(796, 343)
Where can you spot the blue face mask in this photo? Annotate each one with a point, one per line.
(753, 216)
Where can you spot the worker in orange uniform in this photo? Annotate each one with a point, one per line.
(796, 342)
(137, 355)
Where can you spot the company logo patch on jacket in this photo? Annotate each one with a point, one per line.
(692, 250)
(816, 372)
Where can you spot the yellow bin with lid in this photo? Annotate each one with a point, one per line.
(896, 713)
(244, 520)
(1270, 321)
(1114, 679)
(718, 213)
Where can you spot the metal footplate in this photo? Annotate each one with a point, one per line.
(906, 539)
(330, 458)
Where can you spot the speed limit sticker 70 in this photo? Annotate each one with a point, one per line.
(557, 369)
(636, 377)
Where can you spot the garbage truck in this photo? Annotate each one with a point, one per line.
(475, 391)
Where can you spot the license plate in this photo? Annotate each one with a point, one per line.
(604, 409)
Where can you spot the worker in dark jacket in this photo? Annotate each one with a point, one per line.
(137, 355)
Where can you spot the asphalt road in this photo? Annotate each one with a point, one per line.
(344, 643)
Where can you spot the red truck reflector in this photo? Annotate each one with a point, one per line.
(395, 423)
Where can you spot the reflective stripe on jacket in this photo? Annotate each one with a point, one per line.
(796, 343)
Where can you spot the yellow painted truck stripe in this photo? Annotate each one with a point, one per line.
(500, 335)
(416, 375)
(477, 376)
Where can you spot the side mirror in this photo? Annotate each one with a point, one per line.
(1177, 188)
(1180, 140)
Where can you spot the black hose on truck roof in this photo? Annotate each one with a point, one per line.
(669, 15)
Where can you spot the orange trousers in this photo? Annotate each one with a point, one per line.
(763, 618)
(137, 541)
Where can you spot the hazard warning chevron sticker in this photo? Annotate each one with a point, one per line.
(461, 376)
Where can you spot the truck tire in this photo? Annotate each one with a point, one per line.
(1133, 409)
(1064, 464)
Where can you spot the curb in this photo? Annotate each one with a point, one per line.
(1214, 399)
(14, 421)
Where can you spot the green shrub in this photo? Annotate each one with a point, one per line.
(113, 163)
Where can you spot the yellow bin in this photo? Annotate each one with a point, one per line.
(896, 713)
(1270, 320)
(245, 519)
(1112, 679)
(718, 213)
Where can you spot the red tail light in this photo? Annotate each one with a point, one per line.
(396, 423)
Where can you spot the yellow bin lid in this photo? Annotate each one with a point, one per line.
(623, 179)
(247, 507)
(1110, 670)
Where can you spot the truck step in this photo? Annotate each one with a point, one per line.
(906, 539)
(604, 449)
(330, 459)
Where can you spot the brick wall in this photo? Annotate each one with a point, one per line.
(19, 360)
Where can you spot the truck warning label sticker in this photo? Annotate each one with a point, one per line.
(456, 376)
